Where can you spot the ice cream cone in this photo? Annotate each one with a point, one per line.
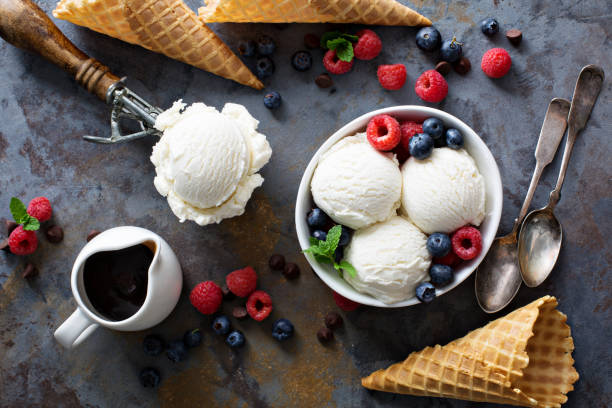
(379, 12)
(521, 359)
(165, 26)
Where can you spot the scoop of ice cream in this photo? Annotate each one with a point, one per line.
(355, 184)
(206, 161)
(443, 192)
(390, 259)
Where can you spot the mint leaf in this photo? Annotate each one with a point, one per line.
(314, 241)
(346, 266)
(18, 211)
(31, 224)
(337, 42)
(350, 37)
(330, 35)
(322, 258)
(333, 238)
(345, 52)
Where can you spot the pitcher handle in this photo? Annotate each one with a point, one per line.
(75, 329)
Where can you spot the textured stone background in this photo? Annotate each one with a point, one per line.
(43, 113)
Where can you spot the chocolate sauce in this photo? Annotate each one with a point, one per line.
(116, 281)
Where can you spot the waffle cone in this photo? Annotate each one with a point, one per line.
(379, 12)
(521, 359)
(168, 27)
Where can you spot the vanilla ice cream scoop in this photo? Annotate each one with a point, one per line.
(443, 192)
(206, 161)
(355, 184)
(390, 259)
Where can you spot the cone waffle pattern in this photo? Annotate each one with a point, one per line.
(165, 26)
(521, 359)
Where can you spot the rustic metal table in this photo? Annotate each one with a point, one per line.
(43, 113)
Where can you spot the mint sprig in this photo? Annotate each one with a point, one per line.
(323, 251)
(21, 216)
(342, 43)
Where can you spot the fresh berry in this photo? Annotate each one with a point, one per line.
(325, 335)
(235, 339)
(450, 259)
(320, 235)
(265, 45)
(40, 208)
(421, 146)
(247, 48)
(407, 130)
(22, 242)
(440, 275)
(276, 262)
(206, 297)
(176, 351)
(428, 39)
(454, 139)
(54, 234)
(467, 243)
(221, 325)
(431, 86)
(259, 305)
(265, 67)
(282, 329)
(438, 244)
(153, 345)
(489, 26)
(451, 50)
(368, 46)
(392, 77)
(333, 321)
(242, 282)
(149, 377)
(496, 62)
(383, 132)
(425, 292)
(272, 100)
(192, 338)
(345, 304)
(433, 127)
(345, 236)
(317, 219)
(291, 271)
(301, 61)
(335, 65)
(338, 254)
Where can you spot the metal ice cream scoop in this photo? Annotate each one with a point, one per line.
(25, 25)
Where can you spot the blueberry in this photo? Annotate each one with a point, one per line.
(454, 139)
(153, 345)
(440, 275)
(320, 235)
(438, 244)
(149, 377)
(221, 325)
(193, 338)
(428, 39)
(433, 127)
(235, 339)
(317, 219)
(301, 61)
(338, 254)
(489, 26)
(282, 329)
(425, 292)
(272, 100)
(451, 50)
(345, 236)
(265, 45)
(265, 67)
(421, 146)
(176, 351)
(247, 48)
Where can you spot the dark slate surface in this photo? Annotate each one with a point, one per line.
(43, 113)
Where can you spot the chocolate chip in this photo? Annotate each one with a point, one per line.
(227, 294)
(332, 91)
(4, 246)
(514, 36)
(29, 271)
(277, 262)
(54, 234)
(291, 271)
(92, 235)
(324, 81)
(462, 66)
(239, 312)
(325, 335)
(333, 320)
(312, 41)
(10, 226)
(443, 67)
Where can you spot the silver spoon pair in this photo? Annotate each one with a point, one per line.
(530, 254)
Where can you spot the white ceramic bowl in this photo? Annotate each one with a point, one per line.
(475, 147)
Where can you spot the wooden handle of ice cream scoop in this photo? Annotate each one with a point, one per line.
(25, 25)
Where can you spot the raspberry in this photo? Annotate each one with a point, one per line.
(368, 46)
(335, 65)
(383, 132)
(467, 243)
(431, 86)
(259, 305)
(242, 282)
(345, 304)
(22, 242)
(450, 259)
(496, 62)
(40, 208)
(407, 130)
(206, 297)
(391, 77)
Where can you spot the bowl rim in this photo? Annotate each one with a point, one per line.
(493, 206)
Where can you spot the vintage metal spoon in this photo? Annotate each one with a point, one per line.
(498, 278)
(25, 25)
(541, 234)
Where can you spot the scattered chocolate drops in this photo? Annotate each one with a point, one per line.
(30, 271)
(514, 36)
(92, 234)
(239, 312)
(312, 41)
(324, 81)
(443, 67)
(149, 377)
(277, 262)
(54, 234)
(227, 294)
(333, 321)
(462, 66)
(10, 226)
(325, 335)
(4, 245)
(291, 271)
